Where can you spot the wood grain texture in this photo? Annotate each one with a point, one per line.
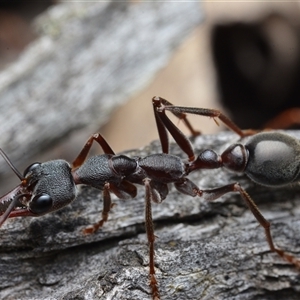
(88, 59)
(203, 250)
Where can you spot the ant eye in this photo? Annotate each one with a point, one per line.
(40, 204)
(31, 168)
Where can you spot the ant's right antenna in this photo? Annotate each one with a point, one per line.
(11, 165)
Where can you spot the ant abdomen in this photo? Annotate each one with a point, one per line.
(274, 158)
(268, 158)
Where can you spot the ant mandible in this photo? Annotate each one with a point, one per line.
(266, 158)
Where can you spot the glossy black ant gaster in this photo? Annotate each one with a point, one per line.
(266, 158)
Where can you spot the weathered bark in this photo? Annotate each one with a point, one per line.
(88, 58)
(203, 250)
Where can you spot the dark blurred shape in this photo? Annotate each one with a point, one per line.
(258, 69)
(26, 9)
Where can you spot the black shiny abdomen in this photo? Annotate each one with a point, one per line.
(273, 158)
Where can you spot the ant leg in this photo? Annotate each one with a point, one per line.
(187, 187)
(160, 191)
(285, 119)
(213, 113)
(213, 194)
(107, 205)
(163, 123)
(150, 195)
(123, 190)
(159, 102)
(86, 148)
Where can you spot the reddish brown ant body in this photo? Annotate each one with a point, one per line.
(267, 158)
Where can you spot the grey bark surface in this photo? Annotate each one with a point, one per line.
(88, 58)
(204, 250)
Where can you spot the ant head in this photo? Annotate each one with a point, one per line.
(49, 185)
(45, 187)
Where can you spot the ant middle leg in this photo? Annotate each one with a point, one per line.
(150, 195)
(213, 194)
(123, 190)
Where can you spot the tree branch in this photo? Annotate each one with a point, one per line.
(203, 250)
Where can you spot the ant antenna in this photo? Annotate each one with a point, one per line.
(11, 165)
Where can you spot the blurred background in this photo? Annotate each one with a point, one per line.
(68, 70)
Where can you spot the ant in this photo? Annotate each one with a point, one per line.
(267, 158)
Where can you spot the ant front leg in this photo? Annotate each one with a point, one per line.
(79, 160)
(107, 205)
(214, 194)
(123, 190)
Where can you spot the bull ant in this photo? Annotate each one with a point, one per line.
(267, 158)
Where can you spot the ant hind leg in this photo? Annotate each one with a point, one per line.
(213, 194)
